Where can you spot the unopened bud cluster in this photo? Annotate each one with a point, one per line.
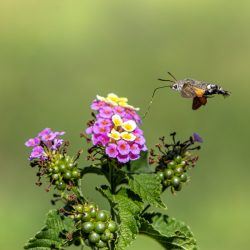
(63, 172)
(173, 161)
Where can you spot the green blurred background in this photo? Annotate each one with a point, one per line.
(55, 56)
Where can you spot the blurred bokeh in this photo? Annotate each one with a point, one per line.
(55, 56)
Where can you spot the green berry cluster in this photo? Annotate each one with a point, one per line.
(95, 227)
(63, 171)
(173, 174)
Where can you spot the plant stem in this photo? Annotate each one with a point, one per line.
(113, 188)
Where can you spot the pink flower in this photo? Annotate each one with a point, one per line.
(32, 142)
(96, 105)
(123, 147)
(37, 152)
(89, 130)
(45, 131)
(119, 111)
(100, 129)
(135, 149)
(134, 157)
(140, 140)
(104, 122)
(123, 158)
(106, 112)
(111, 150)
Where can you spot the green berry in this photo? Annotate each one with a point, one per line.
(92, 205)
(86, 216)
(67, 175)
(171, 164)
(78, 216)
(166, 183)
(183, 163)
(94, 237)
(160, 175)
(100, 227)
(112, 227)
(56, 169)
(60, 185)
(184, 177)
(62, 167)
(178, 188)
(93, 212)
(88, 227)
(168, 173)
(179, 170)
(70, 166)
(101, 215)
(79, 208)
(55, 176)
(75, 174)
(101, 244)
(175, 181)
(178, 159)
(107, 235)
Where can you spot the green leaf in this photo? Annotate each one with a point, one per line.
(51, 235)
(128, 207)
(141, 165)
(148, 187)
(169, 232)
(91, 170)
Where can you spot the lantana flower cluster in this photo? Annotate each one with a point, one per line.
(116, 128)
(45, 143)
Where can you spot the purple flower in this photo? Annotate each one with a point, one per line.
(32, 142)
(100, 129)
(96, 105)
(118, 110)
(197, 138)
(137, 132)
(37, 152)
(135, 149)
(111, 150)
(100, 139)
(89, 130)
(134, 157)
(106, 112)
(123, 147)
(49, 137)
(46, 131)
(45, 139)
(140, 140)
(56, 143)
(104, 122)
(59, 133)
(123, 158)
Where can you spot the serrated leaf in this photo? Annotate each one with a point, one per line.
(169, 232)
(128, 208)
(148, 187)
(141, 165)
(49, 237)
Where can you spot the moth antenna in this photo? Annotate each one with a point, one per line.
(151, 101)
(172, 76)
(165, 80)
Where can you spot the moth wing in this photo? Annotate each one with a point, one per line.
(199, 92)
(198, 101)
(188, 91)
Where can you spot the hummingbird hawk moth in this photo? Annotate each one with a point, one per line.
(199, 91)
